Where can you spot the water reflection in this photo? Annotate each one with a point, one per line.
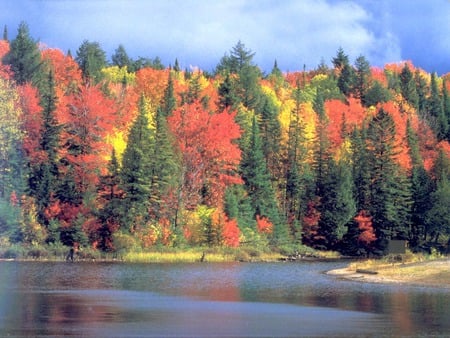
(203, 300)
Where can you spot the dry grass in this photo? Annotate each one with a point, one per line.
(413, 269)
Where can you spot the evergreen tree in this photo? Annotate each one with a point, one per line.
(298, 173)
(436, 110)
(136, 170)
(345, 72)
(165, 165)
(376, 94)
(338, 206)
(110, 215)
(121, 59)
(322, 152)
(422, 93)
(169, 101)
(439, 215)
(421, 187)
(227, 94)
(446, 106)
(91, 59)
(390, 194)
(44, 178)
(408, 87)
(5, 33)
(258, 183)
(271, 133)
(362, 79)
(24, 57)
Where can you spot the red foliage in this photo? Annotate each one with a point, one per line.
(210, 157)
(66, 72)
(367, 234)
(152, 83)
(311, 223)
(231, 233)
(5, 71)
(32, 124)
(263, 225)
(379, 75)
(353, 113)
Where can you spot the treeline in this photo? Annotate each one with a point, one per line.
(131, 153)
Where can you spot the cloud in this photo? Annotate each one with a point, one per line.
(200, 32)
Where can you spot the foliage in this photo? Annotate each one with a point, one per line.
(132, 156)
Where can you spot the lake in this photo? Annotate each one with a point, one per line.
(54, 299)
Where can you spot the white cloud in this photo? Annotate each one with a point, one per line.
(199, 32)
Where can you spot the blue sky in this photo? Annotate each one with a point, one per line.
(200, 32)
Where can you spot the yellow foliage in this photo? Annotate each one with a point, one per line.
(343, 153)
(10, 131)
(118, 74)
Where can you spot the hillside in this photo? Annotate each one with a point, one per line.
(134, 154)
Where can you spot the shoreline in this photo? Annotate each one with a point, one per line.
(435, 273)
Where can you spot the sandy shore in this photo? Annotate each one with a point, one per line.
(430, 273)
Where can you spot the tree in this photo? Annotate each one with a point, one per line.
(439, 121)
(439, 215)
(12, 173)
(136, 171)
(258, 183)
(91, 59)
(390, 195)
(209, 155)
(43, 180)
(338, 206)
(165, 169)
(24, 57)
(362, 78)
(408, 86)
(121, 59)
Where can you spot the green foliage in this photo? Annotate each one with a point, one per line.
(24, 57)
(91, 59)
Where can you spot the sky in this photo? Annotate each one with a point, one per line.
(199, 33)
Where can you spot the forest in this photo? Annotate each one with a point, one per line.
(126, 154)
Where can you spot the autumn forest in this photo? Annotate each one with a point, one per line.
(126, 154)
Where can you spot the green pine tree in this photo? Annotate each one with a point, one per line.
(408, 87)
(390, 191)
(24, 57)
(258, 183)
(136, 170)
(439, 121)
(92, 59)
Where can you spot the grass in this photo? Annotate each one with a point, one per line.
(432, 269)
(192, 255)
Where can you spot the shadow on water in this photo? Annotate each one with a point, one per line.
(209, 300)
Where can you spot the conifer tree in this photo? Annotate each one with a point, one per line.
(258, 183)
(121, 59)
(169, 101)
(390, 194)
(44, 178)
(136, 170)
(422, 93)
(91, 59)
(421, 188)
(165, 164)
(408, 87)
(436, 110)
(446, 106)
(298, 173)
(338, 205)
(24, 57)
(362, 79)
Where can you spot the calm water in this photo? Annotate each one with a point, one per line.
(44, 299)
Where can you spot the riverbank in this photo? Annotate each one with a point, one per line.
(434, 273)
